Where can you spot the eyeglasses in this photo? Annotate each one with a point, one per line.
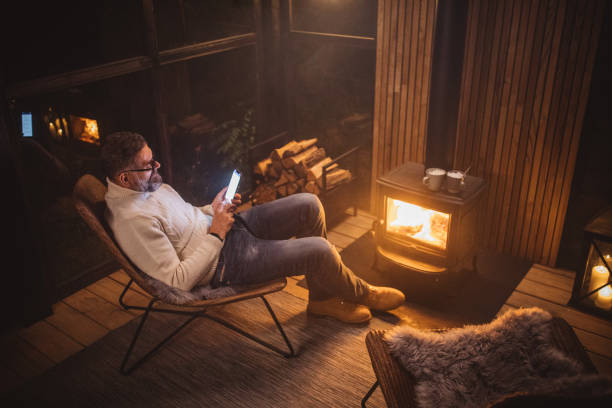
(151, 163)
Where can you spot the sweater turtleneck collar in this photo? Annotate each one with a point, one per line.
(118, 192)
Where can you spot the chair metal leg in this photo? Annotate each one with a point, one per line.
(121, 302)
(127, 371)
(278, 325)
(256, 339)
(368, 394)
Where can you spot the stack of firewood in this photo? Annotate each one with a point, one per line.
(293, 168)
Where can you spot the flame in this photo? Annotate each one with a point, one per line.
(91, 127)
(417, 222)
(85, 129)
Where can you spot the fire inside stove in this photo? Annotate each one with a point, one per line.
(412, 221)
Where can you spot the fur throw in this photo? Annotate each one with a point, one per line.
(176, 296)
(476, 365)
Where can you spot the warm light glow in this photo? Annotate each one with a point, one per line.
(65, 123)
(91, 127)
(85, 129)
(599, 276)
(417, 222)
(604, 298)
(52, 129)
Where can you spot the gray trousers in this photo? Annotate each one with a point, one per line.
(264, 249)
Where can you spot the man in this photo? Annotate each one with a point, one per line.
(186, 246)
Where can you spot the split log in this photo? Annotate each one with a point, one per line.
(336, 177)
(277, 154)
(299, 147)
(315, 173)
(291, 176)
(296, 167)
(311, 187)
(290, 161)
(314, 158)
(264, 193)
(273, 173)
(329, 170)
(292, 188)
(278, 165)
(261, 168)
(301, 168)
(282, 190)
(283, 179)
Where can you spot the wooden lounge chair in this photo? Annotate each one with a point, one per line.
(88, 196)
(397, 383)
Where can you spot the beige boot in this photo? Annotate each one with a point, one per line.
(383, 298)
(342, 310)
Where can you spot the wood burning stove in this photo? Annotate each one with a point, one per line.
(426, 232)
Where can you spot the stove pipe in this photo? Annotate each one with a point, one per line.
(447, 67)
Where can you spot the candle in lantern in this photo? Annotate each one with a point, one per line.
(599, 276)
(604, 298)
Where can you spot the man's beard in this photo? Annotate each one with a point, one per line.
(152, 184)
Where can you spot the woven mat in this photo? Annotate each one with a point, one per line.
(209, 365)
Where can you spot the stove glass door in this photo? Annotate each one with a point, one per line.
(406, 220)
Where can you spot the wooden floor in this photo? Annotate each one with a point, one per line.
(86, 316)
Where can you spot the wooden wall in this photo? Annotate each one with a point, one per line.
(403, 67)
(526, 78)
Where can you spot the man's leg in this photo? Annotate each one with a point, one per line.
(333, 289)
(298, 215)
(250, 260)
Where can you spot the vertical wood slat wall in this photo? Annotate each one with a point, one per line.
(403, 68)
(526, 78)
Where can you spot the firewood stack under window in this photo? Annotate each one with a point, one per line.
(296, 167)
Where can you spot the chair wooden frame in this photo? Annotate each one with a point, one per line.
(89, 201)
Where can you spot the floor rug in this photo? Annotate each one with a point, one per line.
(474, 297)
(208, 365)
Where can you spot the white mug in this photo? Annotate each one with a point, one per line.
(433, 178)
(455, 180)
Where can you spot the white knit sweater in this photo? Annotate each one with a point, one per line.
(163, 235)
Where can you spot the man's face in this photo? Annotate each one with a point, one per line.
(146, 177)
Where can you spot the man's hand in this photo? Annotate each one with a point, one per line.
(236, 201)
(223, 218)
(219, 201)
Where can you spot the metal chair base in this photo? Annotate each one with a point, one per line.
(369, 394)
(200, 313)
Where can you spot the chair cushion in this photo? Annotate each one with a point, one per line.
(478, 365)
